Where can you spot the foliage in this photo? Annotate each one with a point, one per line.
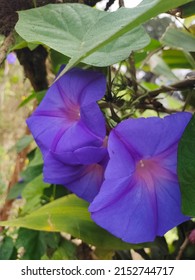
(148, 74)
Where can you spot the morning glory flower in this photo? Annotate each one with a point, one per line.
(11, 58)
(68, 119)
(69, 128)
(140, 197)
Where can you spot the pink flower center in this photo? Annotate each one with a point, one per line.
(73, 113)
(147, 170)
(152, 170)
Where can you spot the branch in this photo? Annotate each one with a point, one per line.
(182, 248)
(109, 4)
(188, 83)
(9, 40)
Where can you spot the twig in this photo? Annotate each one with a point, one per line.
(109, 4)
(182, 85)
(182, 248)
(158, 110)
(116, 72)
(132, 71)
(109, 86)
(9, 40)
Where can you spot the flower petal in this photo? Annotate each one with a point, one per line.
(83, 180)
(86, 155)
(56, 172)
(82, 86)
(148, 137)
(44, 130)
(129, 213)
(121, 163)
(89, 182)
(77, 136)
(93, 119)
(168, 198)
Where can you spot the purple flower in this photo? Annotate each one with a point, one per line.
(69, 128)
(140, 197)
(11, 58)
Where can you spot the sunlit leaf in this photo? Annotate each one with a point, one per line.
(178, 59)
(70, 214)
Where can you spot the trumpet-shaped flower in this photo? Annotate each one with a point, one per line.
(69, 128)
(140, 197)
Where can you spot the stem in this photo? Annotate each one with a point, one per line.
(109, 4)
(109, 86)
(182, 248)
(132, 71)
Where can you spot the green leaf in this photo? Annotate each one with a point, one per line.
(34, 168)
(35, 95)
(67, 29)
(57, 59)
(37, 159)
(23, 142)
(30, 177)
(159, 67)
(188, 9)
(20, 43)
(6, 248)
(33, 193)
(186, 168)
(66, 251)
(70, 214)
(177, 59)
(16, 190)
(176, 38)
(118, 23)
(31, 172)
(33, 243)
(27, 100)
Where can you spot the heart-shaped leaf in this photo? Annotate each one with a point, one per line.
(67, 28)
